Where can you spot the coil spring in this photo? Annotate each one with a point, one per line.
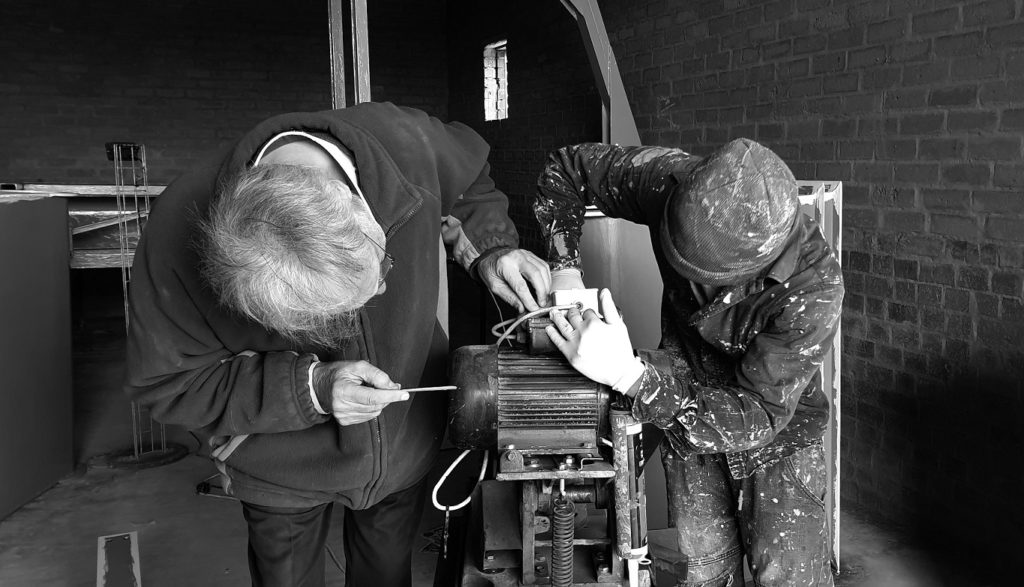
(563, 531)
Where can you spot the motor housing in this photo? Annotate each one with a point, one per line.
(537, 404)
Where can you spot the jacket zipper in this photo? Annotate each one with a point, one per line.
(372, 355)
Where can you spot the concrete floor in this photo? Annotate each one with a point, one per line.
(187, 539)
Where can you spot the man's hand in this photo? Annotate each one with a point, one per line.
(352, 402)
(506, 271)
(598, 348)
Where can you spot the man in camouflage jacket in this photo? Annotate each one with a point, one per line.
(751, 304)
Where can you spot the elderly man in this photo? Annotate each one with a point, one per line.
(751, 305)
(284, 293)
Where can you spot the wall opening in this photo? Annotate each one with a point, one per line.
(496, 81)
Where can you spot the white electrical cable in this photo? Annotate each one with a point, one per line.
(524, 317)
(440, 482)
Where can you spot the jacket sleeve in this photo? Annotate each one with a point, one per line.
(178, 365)
(631, 183)
(759, 402)
(479, 220)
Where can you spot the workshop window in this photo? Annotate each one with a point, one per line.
(496, 81)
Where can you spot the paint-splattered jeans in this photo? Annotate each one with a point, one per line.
(776, 517)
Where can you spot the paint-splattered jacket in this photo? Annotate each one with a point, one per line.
(739, 371)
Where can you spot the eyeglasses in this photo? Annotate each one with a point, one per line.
(386, 263)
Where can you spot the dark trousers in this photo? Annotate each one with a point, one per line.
(776, 517)
(286, 545)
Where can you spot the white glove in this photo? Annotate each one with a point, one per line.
(598, 348)
(567, 288)
(569, 278)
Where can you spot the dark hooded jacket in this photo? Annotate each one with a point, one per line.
(205, 368)
(739, 371)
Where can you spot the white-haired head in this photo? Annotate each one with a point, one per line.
(282, 245)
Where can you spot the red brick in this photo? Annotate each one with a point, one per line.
(958, 45)
(1004, 228)
(937, 273)
(975, 67)
(932, 73)
(1013, 119)
(856, 149)
(778, 49)
(794, 69)
(968, 252)
(987, 304)
(934, 22)
(859, 104)
(973, 120)
(939, 199)
(999, 202)
(1008, 284)
(944, 148)
(987, 13)
(874, 126)
(1008, 175)
(906, 98)
(958, 300)
(902, 149)
(889, 30)
(928, 123)
(917, 173)
(1001, 92)
(929, 295)
(861, 218)
(994, 148)
(868, 58)
(809, 44)
(954, 96)
(1011, 35)
(848, 82)
(956, 226)
(882, 265)
(974, 278)
(910, 52)
(970, 173)
(839, 171)
(881, 78)
(1000, 333)
(872, 172)
(846, 38)
(770, 131)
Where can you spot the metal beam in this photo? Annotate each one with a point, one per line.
(336, 22)
(359, 51)
(617, 117)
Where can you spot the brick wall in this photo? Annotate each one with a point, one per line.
(918, 107)
(552, 97)
(183, 77)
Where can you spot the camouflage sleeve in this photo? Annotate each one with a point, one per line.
(749, 411)
(631, 183)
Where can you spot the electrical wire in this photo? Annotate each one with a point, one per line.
(451, 467)
(515, 322)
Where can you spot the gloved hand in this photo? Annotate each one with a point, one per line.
(597, 347)
(569, 278)
(506, 271)
(351, 402)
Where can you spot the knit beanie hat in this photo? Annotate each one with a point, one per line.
(731, 216)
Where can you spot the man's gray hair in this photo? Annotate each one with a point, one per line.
(282, 246)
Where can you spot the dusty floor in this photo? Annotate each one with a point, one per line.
(187, 539)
